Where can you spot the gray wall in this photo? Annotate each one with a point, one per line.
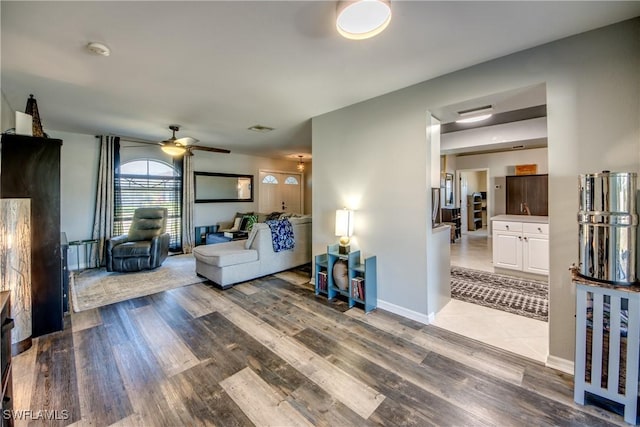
(374, 157)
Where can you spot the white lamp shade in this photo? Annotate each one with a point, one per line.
(344, 223)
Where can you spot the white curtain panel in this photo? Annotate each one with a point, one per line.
(187, 204)
(103, 219)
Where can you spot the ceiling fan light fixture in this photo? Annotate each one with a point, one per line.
(173, 148)
(362, 19)
(475, 114)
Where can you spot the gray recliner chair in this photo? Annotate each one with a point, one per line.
(145, 247)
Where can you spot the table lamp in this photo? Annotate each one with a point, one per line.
(344, 229)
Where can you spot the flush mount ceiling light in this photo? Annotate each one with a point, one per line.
(362, 19)
(99, 49)
(260, 128)
(475, 114)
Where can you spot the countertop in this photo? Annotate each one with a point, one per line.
(522, 218)
(441, 227)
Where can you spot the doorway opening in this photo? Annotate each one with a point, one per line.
(474, 200)
(480, 156)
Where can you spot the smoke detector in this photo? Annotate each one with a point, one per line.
(99, 49)
(260, 128)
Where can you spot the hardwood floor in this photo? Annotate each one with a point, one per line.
(269, 352)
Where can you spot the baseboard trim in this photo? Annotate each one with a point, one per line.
(564, 365)
(522, 274)
(409, 314)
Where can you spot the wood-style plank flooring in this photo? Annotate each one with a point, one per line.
(269, 352)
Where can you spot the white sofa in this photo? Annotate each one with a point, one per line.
(237, 261)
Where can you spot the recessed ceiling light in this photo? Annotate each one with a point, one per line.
(99, 49)
(475, 114)
(362, 19)
(260, 128)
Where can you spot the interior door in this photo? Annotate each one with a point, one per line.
(463, 201)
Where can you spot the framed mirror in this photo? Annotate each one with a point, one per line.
(448, 189)
(212, 187)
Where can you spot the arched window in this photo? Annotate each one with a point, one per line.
(291, 180)
(269, 179)
(148, 183)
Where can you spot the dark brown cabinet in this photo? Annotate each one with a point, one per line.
(452, 215)
(6, 368)
(527, 195)
(30, 168)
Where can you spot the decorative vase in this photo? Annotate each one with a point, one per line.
(32, 110)
(341, 275)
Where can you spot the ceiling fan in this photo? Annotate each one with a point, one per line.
(178, 146)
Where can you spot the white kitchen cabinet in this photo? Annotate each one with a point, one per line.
(507, 245)
(535, 248)
(521, 246)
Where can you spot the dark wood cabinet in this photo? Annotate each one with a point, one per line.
(30, 168)
(6, 367)
(452, 215)
(527, 191)
(64, 261)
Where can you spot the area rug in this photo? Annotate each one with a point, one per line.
(96, 287)
(515, 295)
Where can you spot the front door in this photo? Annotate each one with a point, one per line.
(280, 191)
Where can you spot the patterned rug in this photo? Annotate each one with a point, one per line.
(515, 295)
(96, 287)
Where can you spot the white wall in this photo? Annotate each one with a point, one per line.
(80, 156)
(78, 183)
(212, 213)
(500, 165)
(375, 153)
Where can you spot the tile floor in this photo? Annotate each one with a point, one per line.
(520, 335)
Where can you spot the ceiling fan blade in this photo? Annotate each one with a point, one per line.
(140, 141)
(211, 149)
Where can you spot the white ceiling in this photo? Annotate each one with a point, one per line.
(217, 68)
